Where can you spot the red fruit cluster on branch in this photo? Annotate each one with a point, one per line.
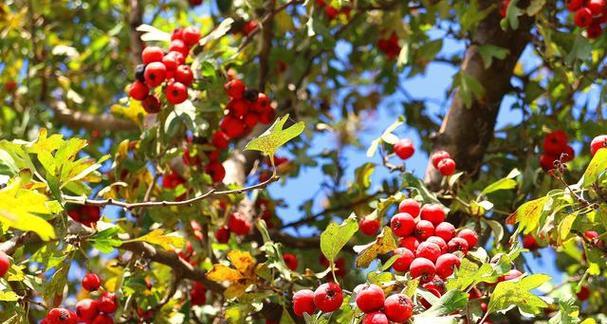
(555, 149)
(443, 162)
(165, 69)
(198, 294)
(371, 300)
(589, 14)
(5, 263)
(86, 215)
(389, 46)
(332, 12)
(247, 108)
(328, 297)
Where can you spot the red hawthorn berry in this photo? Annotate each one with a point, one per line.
(328, 297)
(250, 120)
(232, 126)
(103, 319)
(588, 235)
(222, 235)
(216, 171)
(442, 244)
(469, 235)
(87, 309)
(398, 308)
(154, 74)
(248, 27)
(238, 107)
(213, 155)
(331, 12)
(574, 5)
(194, 3)
(410, 242)
(234, 88)
(446, 167)
(422, 268)
(108, 302)
(568, 154)
(474, 293)
(484, 307)
(504, 8)
(369, 227)
(178, 45)
(177, 34)
(555, 142)
(596, 6)
(138, 90)
(403, 262)
(402, 224)
(458, 244)
(436, 283)
(220, 139)
(410, 206)
(547, 161)
(176, 92)
(510, 275)
(171, 180)
(375, 318)
(151, 104)
(583, 17)
(446, 264)
(151, 54)
(303, 302)
(198, 294)
(5, 263)
(91, 282)
(184, 74)
(86, 215)
(428, 250)
(266, 116)
(424, 229)
(438, 156)
(261, 104)
(170, 61)
(594, 30)
(61, 316)
(10, 86)
(291, 261)
(190, 159)
(583, 294)
(340, 265)
(404, 148)
(598, 143)
(434, 213)
(529, 242)
(445, 230)
(191, 36)
(370, 298)
(238, 224)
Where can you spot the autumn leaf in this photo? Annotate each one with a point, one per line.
(222, 273)
(383, 244)
(158, 237)
(275, 136)
(518, 293)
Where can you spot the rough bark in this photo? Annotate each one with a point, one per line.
(466, 131)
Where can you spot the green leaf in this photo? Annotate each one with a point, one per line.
(223, 28)
(505, 183)
(385, 136)
(106, 240)
(53, 289)
(150, 33)
(452, 301)
(496, 228)
(363, 175)
(19, 208)
(488, 52)
(564, 226)
(384, 243)
(528, 215)
(469, 274)
(518, 293)
(158, 237)
(469, 88)
(335, 237)
(568, 313)
(597, 165)
(412, 182)
(275, 136)
(535, 6)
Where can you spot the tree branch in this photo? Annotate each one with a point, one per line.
(79, 119)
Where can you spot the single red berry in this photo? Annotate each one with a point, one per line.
(178, 45)
(424, 229)
(328, 297)
(446, 167)
(583, 17)
(404, 148)
(331, 12)
(436, 284)
(434, 213)
(177, 34)
(198, 294)
(266, 116)
(234, 88)
(248, 27)
(446, 264)
(428, 250)
(510, 275)
(176, 93)
(303, 302)
(151, 54)
(555, 142)
(529, 242)
(402, 224)
(222, 235)
(238, 224)
(458, 244)
(370, 298)
(232, 126)
(598, 143)
(469, 235)
(238, 107)
(170, 60)
(184, 75)
(547, 161)
(422, 268)
(155, 74)
(375, 318)
(596, 6)
(91, 282)
(442, 244)
(5, 263)
(405, 257)
(438, 156)
(87, 309)
(588, 235)
(594, 30)
(504, 7)
(220, 139)
(250, 120)
(61, 316)
(369, 226)
(151, 104)
(216, 171)
(398, 308)
(574, 5)
(108, 302)
(410, 242)
(138, 90)
(568, 154)
(475, 293)
(262, 103)
(410, 206)
(191, 36)
(172, 179)
(445, 230)
(291, 261)
(103, 319)
(340, 265)
(583, 294)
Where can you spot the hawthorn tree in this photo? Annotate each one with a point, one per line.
(138, 140)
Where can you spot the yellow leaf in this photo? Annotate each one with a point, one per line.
(133, 112)
(19, 208)
(242, 261)
(384, 243)
(166, 241)
(221, 273)
(235, 290)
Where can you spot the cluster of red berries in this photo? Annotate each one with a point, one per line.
(328, 297)
(86, 215)
(237, 224)
(443, 162)
(378, 309)
(331, 11)
(168, 69)
(389, 46)
(555, 149)
(198, 294)
(589, 14)
(94, 311)
(5, 263)
(214, 167)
